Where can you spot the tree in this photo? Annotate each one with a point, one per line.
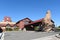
(58, 26)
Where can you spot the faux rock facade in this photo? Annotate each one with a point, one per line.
(48, 23)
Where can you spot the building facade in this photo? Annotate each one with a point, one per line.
(7, 23)
(21, 23)
(44, 24)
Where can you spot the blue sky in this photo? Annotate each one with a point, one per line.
(33, 9)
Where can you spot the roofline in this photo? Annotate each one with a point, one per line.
(23, 19)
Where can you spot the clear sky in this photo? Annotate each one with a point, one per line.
(33, 9)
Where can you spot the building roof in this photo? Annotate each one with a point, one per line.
(37, 21)
(23, 19)
(4, 24)
(40, 20)
(7, 22)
